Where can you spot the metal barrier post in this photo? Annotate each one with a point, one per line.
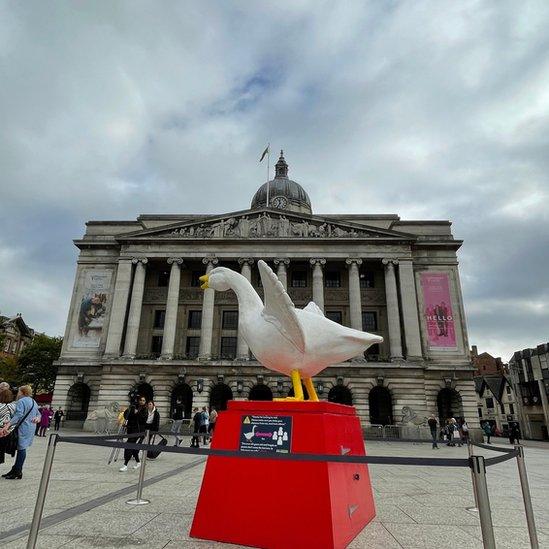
(526, 497)
(478, 468)
(42, 490)
(144, 453)
(470, 450)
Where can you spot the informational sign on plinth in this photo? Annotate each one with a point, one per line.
(285, 504)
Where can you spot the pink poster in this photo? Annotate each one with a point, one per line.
(439, 317)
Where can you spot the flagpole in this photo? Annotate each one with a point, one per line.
(268, 170)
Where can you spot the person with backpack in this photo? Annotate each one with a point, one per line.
(23, 425)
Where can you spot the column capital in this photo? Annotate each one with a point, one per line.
(389, 261)
(136, 260)
(246, 261)
(353, 261)
(175, 261)
(210, 260)
(317, 261)
(281, 261)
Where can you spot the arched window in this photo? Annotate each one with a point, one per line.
(341, 395)
(449, 404)
(260, 392)
(381, 406)
(219, 396)
(141, 389)
(184, 394)
(78, 401)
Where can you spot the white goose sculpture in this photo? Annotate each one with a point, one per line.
(299, 343)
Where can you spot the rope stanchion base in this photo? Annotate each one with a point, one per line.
(138, 501)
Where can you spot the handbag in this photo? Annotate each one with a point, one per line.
(456, 435)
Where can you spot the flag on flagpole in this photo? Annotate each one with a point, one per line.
(264, 154)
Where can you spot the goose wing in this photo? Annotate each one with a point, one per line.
(279, 308)
(312, 307)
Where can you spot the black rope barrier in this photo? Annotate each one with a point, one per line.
(379, 460)
(500, 459)
(493, 448)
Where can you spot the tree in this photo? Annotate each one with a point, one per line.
(9, 370)
(36, 362)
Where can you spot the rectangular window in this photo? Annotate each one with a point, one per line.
(332, 279)
(159, 319)
(230, 320)
(195, 320)
(299, 279)
(372, 353)
(335, 316)
(511, 409)
(228, 347)
(480, 412)
(367, 279)
(508, 389)
(195, 279)
(369, 321)
(163, 278)
(489, 403)
(192, 347)
(156, 345)
(502, 408)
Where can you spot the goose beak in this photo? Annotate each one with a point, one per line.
(204, 279)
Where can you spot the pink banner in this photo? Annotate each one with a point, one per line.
(437, 304)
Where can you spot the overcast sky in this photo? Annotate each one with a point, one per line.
(431, 110)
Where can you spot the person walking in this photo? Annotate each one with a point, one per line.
(25, 416)
(433, 424)
(514, 434)
(487, 428)
(136, 418)
(464, 430)
(7, 409)
(197, 422)
(57, 417)
(177, 417)
(454, 433)
(45, 418)
(204, 425)
(153, 418)
(213, 419)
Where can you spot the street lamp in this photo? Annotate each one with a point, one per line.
(200, 385)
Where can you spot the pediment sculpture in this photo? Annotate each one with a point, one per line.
(268, 225)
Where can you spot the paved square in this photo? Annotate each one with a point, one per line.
(417, 507)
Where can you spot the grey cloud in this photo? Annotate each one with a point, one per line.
(427, 109)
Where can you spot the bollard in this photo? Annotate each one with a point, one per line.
(470, 450)
(478, 468)
(526, 497)
(138, 500)
(42, 490)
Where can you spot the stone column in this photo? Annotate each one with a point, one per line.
(393, 314)
(136, 304)
(206, 330)
(318, 282)
(242, 349)
(172, 306)
(281, 272)
(408, 299)
(119, 306)
(355, 304)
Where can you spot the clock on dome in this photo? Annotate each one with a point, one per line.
(280, 202)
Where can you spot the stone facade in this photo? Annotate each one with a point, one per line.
(139, 319)
(17, 335)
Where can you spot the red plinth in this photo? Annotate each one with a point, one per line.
(278, 504)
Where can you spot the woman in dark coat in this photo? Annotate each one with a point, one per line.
(135, 418)
(153, 418)
(7, 409)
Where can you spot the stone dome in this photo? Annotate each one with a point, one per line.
(284, 193)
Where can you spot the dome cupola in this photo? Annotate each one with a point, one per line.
(283, 193)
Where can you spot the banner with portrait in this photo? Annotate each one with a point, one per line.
(437, 311)
(92, 308)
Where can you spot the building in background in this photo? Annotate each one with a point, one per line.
(529, 373)
(139, 320)
(16, 334)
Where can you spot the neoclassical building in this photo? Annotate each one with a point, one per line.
(139, 320)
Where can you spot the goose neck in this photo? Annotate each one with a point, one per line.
(245, 293)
